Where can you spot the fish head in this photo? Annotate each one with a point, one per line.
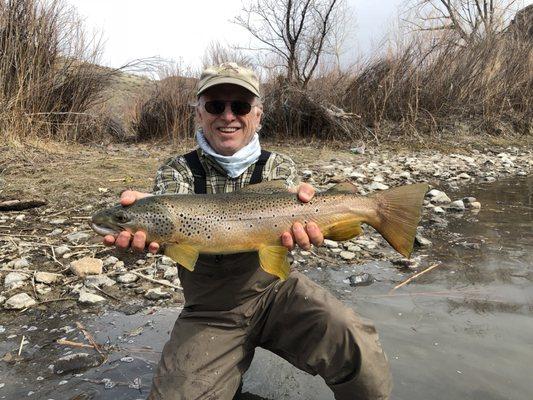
(143, 215)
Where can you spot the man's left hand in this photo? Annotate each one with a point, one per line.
(302, 235)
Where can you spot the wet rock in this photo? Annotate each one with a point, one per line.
(78, 237)
(362, 279)
(19, 301)
(457, 205)
(47, 277)
(90, 298)
(75, 362)
(405, 263)
(347, 255)
(331, 244)
(15, 279)
(422, 241)
(86, 266)
(99, 280)
(438, 197)
(156, 294)
(127, 278)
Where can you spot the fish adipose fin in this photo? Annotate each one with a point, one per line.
(344, 230)
(183, 254)
(273, 260)
(398, 212)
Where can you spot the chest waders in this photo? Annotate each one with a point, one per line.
(232, 306)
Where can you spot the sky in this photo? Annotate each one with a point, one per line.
(182, 30)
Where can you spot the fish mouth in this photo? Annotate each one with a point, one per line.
(104, 230)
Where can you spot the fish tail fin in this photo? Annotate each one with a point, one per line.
(398, 212)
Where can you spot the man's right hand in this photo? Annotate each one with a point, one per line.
(125, 239)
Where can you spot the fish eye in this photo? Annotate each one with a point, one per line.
(122, 217)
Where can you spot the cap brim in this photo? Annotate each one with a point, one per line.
(228, 80)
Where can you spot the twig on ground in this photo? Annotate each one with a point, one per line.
(157, 281)
(21, 344)
(90, 338)
(414, 277)
(73, 344)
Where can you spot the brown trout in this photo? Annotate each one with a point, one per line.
(254, 218)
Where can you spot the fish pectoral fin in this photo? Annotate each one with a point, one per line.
(343, 187)
(265, 187)
(273, 260)
(183, 254)
(344, 230)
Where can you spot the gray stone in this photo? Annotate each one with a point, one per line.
(354, 248)
(331, 244)
(109, 261)
(438, 197)
(476, 205)
(347, 255)
(377, 186)
(20, 218)
(58, 221)
(170, 272)
(19, 301)
(99, 280)
(2, 299)
(21, 263)
(422, 241)
(457, 205)
(86, 266)
(78, 237)
(61, 250)
(127, 278)
(90, 298)
(439, 210)
(55, 232)
(156, 294)
(15, 279)
(75, 362)
(47, 277)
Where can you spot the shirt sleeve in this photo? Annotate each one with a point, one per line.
(282, 167)
(174, 177)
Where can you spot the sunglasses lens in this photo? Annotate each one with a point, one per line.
(218, 106)
(240, 107)
(215, 107)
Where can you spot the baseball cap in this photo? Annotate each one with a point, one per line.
(228, 72)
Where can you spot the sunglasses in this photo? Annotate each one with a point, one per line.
(238, 107)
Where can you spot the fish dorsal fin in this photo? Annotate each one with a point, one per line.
(343, 230)
(183, 254)
(343, 187)
(273, 260)
(266, 187)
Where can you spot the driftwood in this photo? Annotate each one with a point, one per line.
(18, 205)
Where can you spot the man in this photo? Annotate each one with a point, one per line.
(231, 304)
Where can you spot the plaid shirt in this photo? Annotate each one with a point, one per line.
(175, 176)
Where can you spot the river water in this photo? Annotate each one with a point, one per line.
(462, 331)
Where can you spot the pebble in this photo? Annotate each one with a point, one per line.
(90, 298)
(99, 280)
(457, 205)
(61, 250)
(19, 301)
(377, 186)
(347, 255)
(362, 279)
(156, 294)
(21, 263)
(438, 197)
(331, 244)
(127, 278)
(47, 277)
(78, 237)
(15, 279)
(109, 261)
(422, 241)
(86, 266)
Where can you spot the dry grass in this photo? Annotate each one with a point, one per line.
(48, 77)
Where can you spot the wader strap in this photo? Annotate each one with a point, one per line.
(198, 172)
(257, 175)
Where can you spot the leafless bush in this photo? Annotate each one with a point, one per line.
(48, 76)
(166, 113)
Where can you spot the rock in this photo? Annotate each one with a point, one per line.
(90, 298)
(357, 175)
(109, 261)
(55, 232)
(405, 263)
(377, 186)
(75, 362)
(469, 200)
(457, 205)
(307, 174)
(41, 288)
(439, 210)
(61, 250)
(438, 197)
(78, 237)
(20, 218)
(347, 255)
(354, 248)
(2, 299)
(165, 262)
(170, 272)
(331, 244)
(47, 277)
(156, 294)
(476, 205)
(86, 266)
(362, 279)
(464, 175)
(19, 301)
(422, 241)
(21, 263)
(58, 221)
(99, 280)
(438, 221)
(127, 278)
(15, 280)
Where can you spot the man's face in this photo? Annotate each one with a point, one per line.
(227, 132)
